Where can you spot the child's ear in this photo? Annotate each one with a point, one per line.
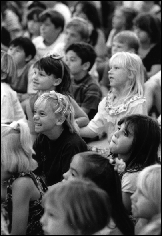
(86, 66)
(130, 75)
(28, 58)
(60, 120)
(57, 81)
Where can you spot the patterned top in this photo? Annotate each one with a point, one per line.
(35, 209)
(106, 120)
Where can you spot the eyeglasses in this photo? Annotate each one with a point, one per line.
(59, 57)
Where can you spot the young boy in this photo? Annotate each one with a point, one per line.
(124, 41)
(23, 51)
(80, 58)
(52, 26)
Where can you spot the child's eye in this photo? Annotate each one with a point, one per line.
(42, 113)
(116, 67)
(125, 133)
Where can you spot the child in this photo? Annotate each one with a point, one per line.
(125, 97)
(51, 73)
(11, 109)
(22, 191)
(75, 208)
(136, 142)
(124, 41)
(122, 20)
(146, 201)
(147, 27)
(58, 140)
(52, 26)
(80, 58)
(95, 167)
(23, 51)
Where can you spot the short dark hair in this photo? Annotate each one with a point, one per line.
(26, 44)
(150, 24)
(56, 18)
(128, 37)
(34, 13)
(85, 51)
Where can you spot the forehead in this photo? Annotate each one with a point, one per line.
(71, 53)
(16, 47)
(47, 20)
(73, 30)
(77, 163)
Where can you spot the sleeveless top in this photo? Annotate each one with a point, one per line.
(34, 226)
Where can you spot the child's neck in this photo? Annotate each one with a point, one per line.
(49, 42)
(79, 76)
(120, 93)
(45, 91)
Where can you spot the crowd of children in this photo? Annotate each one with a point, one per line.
(67, 80)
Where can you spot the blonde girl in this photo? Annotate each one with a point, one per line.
(11, 109)
(126, 77)
(75, 207)
(146, 201)
(57, 139)
(22, 191)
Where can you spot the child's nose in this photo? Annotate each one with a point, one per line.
(66, 175)
(42, 220)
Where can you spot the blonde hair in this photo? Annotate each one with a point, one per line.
(8, 68)
(16, 147)
(149, 182)
(61, 106)
(86, 207)
(132, 63)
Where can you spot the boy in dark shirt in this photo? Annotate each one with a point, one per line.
(80, 57)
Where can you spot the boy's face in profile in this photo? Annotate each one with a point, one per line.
(18, 54)
(48, 31)
(119, 47)
(72, 36)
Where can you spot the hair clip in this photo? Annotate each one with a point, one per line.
(119, 164)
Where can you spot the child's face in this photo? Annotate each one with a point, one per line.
(48, 31)
(142, 207)
(76, 169)
(71, 36)
(119, 47)
(118, 20)
(74, 63)
(121, 142)
(44, 119)
(18, 54)
(118, 76)
(54, 221)
(42, 81)
(34, 27)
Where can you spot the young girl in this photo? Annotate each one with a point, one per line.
(58, 140)
(75, 207)
(136, 142)
(11, 109)
(21, 190)
(51, 73)
(146, 201)
(95, 167)
(122, 20)
(126, 78)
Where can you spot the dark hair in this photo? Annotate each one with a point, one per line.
(56, 18)
(128, 37)
(92, 13)
(58, 68)
(150, 24)
(26, 44)
(85, 51)
(129, 14)
(34, 13)
(36, 4)
(101, 172)
(144, 150)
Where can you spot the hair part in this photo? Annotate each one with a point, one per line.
(16, 148)
(86, 207)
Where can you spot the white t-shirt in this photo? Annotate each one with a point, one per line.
(11, 109)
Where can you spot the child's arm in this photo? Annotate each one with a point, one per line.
(81, 117)
(86, 132)
(21, 194)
